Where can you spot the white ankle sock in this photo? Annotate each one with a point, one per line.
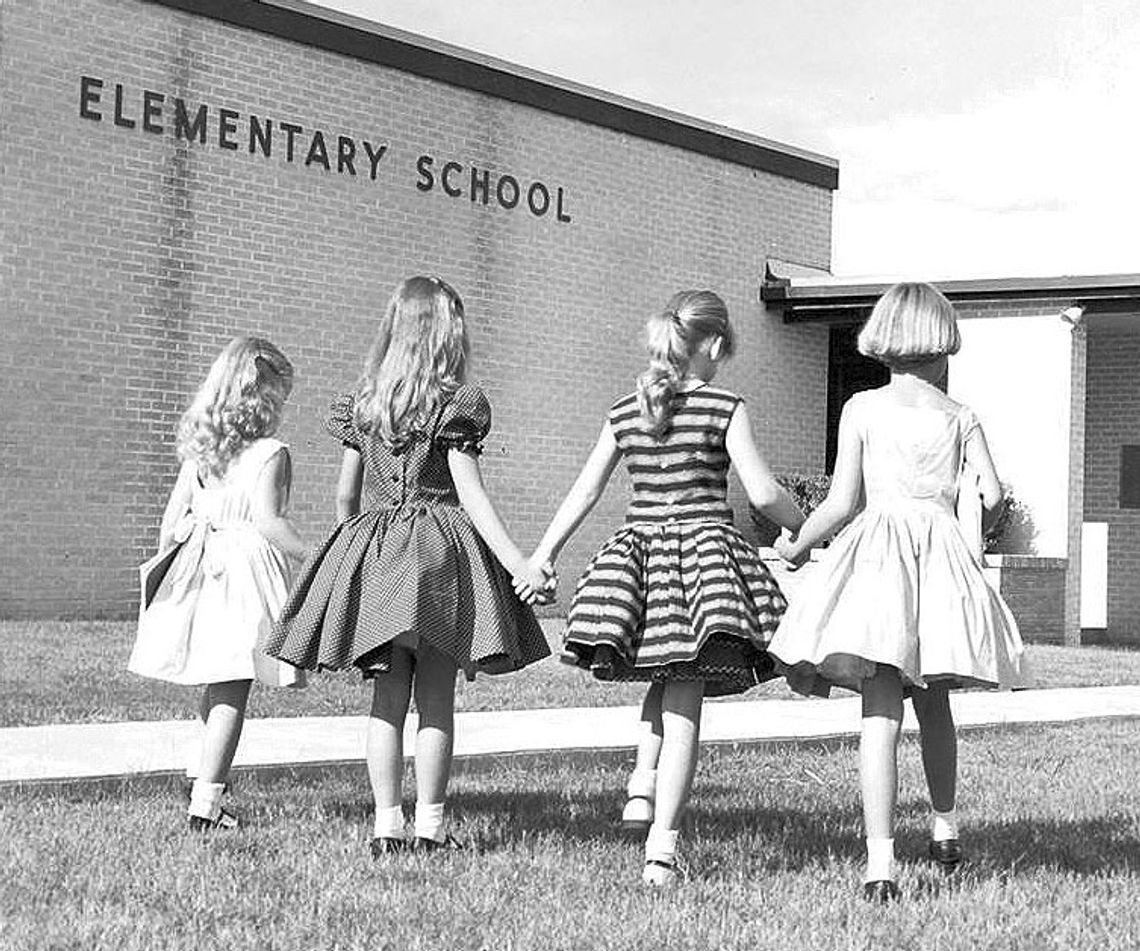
(661, 844)
(642, 782)
(429, 821)
(389, 822)
(880, 860)
(944, 825)
(206, 799)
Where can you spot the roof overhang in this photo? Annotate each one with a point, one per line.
(367, 40)
(822, 298)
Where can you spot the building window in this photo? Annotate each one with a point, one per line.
(1130, 477)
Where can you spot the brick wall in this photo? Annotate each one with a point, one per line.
(130, 256)
(1034, 589)
(1112, 421)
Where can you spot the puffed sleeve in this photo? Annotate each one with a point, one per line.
(340, 423)
(968, 423)
(465, 421)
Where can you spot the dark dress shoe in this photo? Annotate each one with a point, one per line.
(947, 853)
(449, 844)
(383, 845)
(225, 820)
(880, 892)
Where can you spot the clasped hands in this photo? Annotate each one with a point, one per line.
(787, 549)
(537, 581)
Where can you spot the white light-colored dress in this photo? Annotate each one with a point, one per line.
(901, 585)
(228, 582)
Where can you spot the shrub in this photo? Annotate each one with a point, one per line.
(1013, 531)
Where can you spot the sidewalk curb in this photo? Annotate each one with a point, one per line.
(121, 752)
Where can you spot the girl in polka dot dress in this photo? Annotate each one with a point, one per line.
(415, 582)
(677, 597)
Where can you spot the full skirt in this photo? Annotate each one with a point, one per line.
(417, 573)
(679, 601)
(211, 611)
(900, 588)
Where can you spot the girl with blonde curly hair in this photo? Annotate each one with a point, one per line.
(222, 572)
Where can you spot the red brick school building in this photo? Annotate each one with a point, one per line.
(177, 172)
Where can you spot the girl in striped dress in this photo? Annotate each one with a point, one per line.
(415, 583)
(677, 597)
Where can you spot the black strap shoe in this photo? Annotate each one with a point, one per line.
(449, 844)
(225, 820)
(384, 845)
(881, 892)
(947, 853)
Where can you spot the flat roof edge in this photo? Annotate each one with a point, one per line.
(817, 296)
(366, 40)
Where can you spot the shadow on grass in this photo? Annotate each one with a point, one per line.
(730, 825)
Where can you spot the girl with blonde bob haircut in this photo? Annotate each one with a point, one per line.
(911, 323)
(222, 572)
(899, 605)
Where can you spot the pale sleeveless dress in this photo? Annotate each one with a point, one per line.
(224, 588)
(901, 585)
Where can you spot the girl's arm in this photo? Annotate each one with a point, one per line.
(581, 498)
(271, 501)
(760, 485)
(978, 455)
(473, 497)
(177, 505)
(348, 486)
(842, 500)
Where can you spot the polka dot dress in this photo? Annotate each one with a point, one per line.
(411, 565)
(677, 593)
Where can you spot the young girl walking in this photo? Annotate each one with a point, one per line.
(415, 582)
(677, 597)
(225, 540)
(899, 603)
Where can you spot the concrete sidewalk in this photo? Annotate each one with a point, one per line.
(101, 750)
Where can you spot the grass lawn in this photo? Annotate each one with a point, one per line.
(75, 672)
(1051, 824)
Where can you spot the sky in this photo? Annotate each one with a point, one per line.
(995, 138)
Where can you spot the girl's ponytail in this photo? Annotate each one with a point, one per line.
(672, 337)
(668, 361)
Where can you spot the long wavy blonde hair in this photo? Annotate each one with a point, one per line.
(673, 335)
(241, 399)
(418, 360)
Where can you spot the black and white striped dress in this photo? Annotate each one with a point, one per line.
(677, 593)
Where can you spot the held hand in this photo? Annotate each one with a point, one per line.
(530, 582)
(787, 549)
(549, 592)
